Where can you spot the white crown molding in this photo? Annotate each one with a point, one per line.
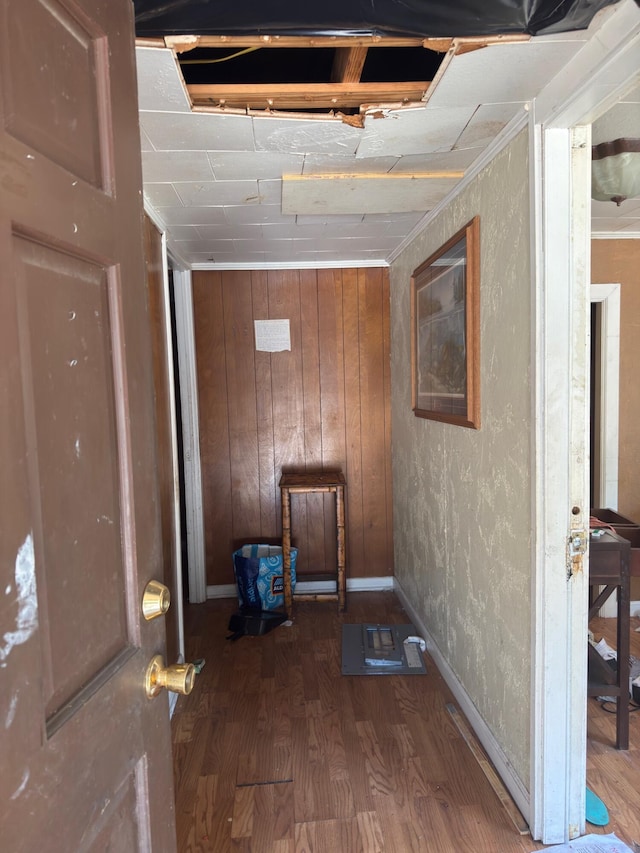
(291, 265)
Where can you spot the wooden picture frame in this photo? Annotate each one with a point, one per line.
(445, 331)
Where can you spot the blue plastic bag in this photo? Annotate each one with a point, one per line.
(259, 578)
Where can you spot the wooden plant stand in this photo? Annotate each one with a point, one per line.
(327, 481)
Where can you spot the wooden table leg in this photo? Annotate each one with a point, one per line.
(286, 551)
(341, 557)
(624, 604)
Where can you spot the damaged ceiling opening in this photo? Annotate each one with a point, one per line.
(304, 144)
(302, 78)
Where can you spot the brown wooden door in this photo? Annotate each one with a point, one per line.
(86, 757)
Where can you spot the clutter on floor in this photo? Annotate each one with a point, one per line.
(382, 650)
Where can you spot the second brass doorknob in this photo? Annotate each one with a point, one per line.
(178, 677)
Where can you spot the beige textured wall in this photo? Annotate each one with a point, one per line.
(462, 498)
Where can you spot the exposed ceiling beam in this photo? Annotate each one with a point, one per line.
(298, 96)
(348, 63)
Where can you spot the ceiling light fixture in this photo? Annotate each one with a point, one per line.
(615, 170)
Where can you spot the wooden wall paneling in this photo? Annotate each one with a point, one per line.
(325, 405)
(268, 481)
(334, 454)
(243, 417)
(372, 431)
(386, 355)
(353, 473)
(288, 400)
(310, 347)
(214, 424)
(154, 264)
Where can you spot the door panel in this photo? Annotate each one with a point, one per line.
(66, 352)
(86, 756)
(53, 104)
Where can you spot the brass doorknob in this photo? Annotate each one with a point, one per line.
(156, 599)
(179, 677)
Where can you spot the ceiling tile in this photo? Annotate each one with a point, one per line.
(486, 123)
(500, 73)
(145, 142)
(333, 164)
(344, 194)
(161, 195)
(160, 85)
(435, 162)
(183, 232)
(245, 165)
(270, 192)
(187, 247)
(229, 232)
(245, 213)
(412, 131)
(300, 136)
(192, 215)
(632, 227)
(324, 218)
(218, 193)
(633, 96)
(282, 231)
(198, 131)
(171, 166)
(622, 120)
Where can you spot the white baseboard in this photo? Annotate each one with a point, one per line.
(229, 590)
(500, 761)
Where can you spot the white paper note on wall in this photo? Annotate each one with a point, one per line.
(272, 335)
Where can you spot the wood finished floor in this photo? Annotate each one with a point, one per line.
(276, 752)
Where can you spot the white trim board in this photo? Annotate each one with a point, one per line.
(384, 584)
(608, 295)
(615, 235)
(175, 466)
(499, 759)
(292, 265)
(183, 304)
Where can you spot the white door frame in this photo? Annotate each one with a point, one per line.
(608, 295)
(604, 69)
(177, 600)
(185, 336)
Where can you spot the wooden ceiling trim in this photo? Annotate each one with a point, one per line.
(182, 44)
(297, 96)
